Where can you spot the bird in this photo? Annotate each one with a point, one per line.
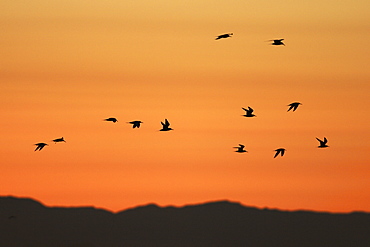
(277, 42)
(165, 126)
(224, 36)
(111, 119)
(135, 124)
(322, 143)
(59, 140)
(240, 149)
(279, 151)
(294, 106)
(248, 112)
(40, 146)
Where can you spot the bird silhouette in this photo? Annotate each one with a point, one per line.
(240, 149)
(277, 42)
(279, 151)
(111, 119)
(224, 36)
(322, 143)
(40, 146)
(165, 126)
(59, 140)
(248, 112)
(294, 106)
(135, 124)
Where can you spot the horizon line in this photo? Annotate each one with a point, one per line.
(164, 206)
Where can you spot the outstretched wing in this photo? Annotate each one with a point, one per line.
(167, 123)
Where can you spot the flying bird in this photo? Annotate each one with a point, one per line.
(111, 119)
(165, 125)
(240, 149)
(135, 124)
(277, 42)
(59, 140)
(279, 151)
(294, 106)
(248, 112)
(322, 143)
(40, 146)
(224, 36)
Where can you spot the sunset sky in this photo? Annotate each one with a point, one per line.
(67, 65)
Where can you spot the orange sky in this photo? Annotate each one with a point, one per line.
(66, 66)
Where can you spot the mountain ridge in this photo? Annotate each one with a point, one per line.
(26, 222)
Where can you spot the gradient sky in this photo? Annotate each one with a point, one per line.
(67, 65)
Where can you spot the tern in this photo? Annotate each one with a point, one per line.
(224, 36)
(165, 126)
(240, 149)
(322, 143)
(59, 140)
(277, 42)
(248, 112)
(40, 146)
(135, 124)
(294, 106)
(111, 119)
(279, 151)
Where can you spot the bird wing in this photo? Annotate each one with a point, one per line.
(321, 142)
(282, 152)
(250, 109)
(167, 123)
(325, 140)
(277, 153)
(241, 146)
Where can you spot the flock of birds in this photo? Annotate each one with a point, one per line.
(248, 113)
(135, 124)
(229, 35)
(280, 151)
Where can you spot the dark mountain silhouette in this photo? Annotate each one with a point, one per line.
(220, 223)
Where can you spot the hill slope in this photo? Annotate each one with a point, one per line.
(25, 222)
